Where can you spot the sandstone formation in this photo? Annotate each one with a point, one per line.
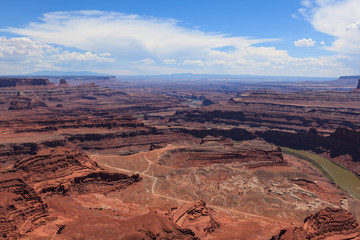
(329, 224)
(63, 83)
(54, 168)
(21, 208)
(342, 145)
(53, 171)
(195, 216)
(153, 226)
(348, 142)
(260, 152)
(357, 89)
(17, 82)
(25, 103)
(207, 102)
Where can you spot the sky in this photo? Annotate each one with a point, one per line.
(135, 37)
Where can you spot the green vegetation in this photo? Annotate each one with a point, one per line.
(344, 178)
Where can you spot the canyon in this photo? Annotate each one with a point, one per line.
(148, 160)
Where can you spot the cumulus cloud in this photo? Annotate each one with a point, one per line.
(29, 55)
(145, 61)
(306, 3)
(23, 47)
(169, 61)
(193, 62)
(304, 42)
(87, 56)
(340, 19)
(353, 26)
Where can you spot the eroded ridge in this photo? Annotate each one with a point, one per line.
(329, 223)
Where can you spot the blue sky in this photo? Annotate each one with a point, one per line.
(261, 37)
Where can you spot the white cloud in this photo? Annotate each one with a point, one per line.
(105, 54)
(145, 61)
(94, 36)
(306, 3)
(22, 55)
(295, 16)
(169, 61)
(340, 19)
(87, 56)
(216, 62)
(193, 62)
(23, 47)
(353, 26)
(303, 12)
(127, 36)
(304, 42)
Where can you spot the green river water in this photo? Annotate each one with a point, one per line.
(345, 179)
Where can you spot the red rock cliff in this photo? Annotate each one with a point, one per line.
(329, 224)
(15, 82)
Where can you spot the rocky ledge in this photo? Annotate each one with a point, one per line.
(16, 82)
(329, 224)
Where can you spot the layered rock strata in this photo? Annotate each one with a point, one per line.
(16, 82)
(328, 224)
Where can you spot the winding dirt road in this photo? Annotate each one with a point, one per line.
(155, 179)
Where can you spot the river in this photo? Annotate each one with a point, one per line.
(344, 178)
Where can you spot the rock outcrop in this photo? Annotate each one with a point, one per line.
(13, 152)
(195, 216)
(237, 134)
(53, 167)
(329, 224)
(252, 154)
(51, 172)
(347, 142)
(153, 226)
(63, 83)
(25, 103)
(17, 82)
(21, 208)
(342, 146)
(60, 170)
(215, 116)
(103, 182)
(207, 102)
